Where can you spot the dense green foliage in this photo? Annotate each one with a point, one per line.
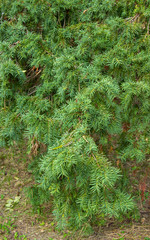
(75, 79)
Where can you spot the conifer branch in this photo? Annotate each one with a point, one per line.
(88, 66)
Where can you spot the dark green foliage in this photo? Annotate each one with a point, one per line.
(75, 77)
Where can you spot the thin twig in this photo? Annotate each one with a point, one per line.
(131, 19)
(34, 89)
(32, 77)
(148, 27)
(31, 92)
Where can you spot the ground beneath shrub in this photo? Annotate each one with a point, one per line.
(17, 220)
